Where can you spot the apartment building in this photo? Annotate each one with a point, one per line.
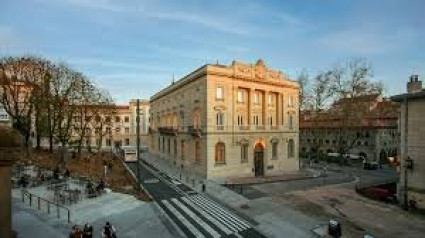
(411, 126)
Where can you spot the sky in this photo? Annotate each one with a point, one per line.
(133, 48)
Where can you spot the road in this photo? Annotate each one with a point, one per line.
(340, 175)
(195, 214)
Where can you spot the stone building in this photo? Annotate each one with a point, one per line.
(119, 127)
(4, 117)
(224, 121)
(373, 137)
(412, 130)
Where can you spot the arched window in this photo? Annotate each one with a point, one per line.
(291, 148)
(220, 153)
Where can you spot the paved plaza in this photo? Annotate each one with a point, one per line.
(131, 217)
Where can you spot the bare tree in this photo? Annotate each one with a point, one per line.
(20, 80)
(354, 91)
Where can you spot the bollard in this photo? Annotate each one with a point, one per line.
(48, 207)
(38, 203)
(57, 210)
(30, 200)
(203, 187)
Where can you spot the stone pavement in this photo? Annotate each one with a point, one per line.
(271, 218)
(132, 218)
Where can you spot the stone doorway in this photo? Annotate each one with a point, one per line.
(259, 160)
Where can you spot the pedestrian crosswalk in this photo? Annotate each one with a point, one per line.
(203, 217)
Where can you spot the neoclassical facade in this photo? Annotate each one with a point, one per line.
(224, 121)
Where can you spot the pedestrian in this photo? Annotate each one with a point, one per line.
(109, 231)
(75, 232)
(87, 231)
(67, 173)
(56, 173)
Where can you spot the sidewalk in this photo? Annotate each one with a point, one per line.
(270, 217)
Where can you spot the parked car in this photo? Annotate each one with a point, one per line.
(370, 165)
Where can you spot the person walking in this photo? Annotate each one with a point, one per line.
(87, 231)
(75, 232)
(109, 231)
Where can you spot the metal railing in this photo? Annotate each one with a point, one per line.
(39, 200)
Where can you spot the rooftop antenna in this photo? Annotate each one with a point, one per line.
(172, 82)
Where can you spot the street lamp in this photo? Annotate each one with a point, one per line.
(138, 140)
(408, 165)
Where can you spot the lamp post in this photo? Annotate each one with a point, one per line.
(408, 165)
(138, 139)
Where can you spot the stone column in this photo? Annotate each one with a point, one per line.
(10, 143)
(266, 106)
(251, 93)
(278, 109)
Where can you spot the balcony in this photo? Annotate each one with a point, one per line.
(274, 128)
(168, 130)
(194, 131)
(244, 128)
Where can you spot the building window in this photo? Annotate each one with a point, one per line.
(117, 119)
(291, 121)
(99, 142)
(159, 144)
(291, 101)
(127, 141)
(108, 130)
(256, 98)
(240, 96)
(126, 119)
(127, 130)
(219, 93)
(291, 148)
(169, 146)
(117, 130)
(175, 148)
(182, 150)
(220, 153)
(274, 150)
(163, 144)
(220, 120)
(240, 120)
(108, 142)
(244, 153)
(108, 119)
(197, 152)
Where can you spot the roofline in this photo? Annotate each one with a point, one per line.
(402, 97)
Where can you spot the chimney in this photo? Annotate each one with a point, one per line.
(414, 85)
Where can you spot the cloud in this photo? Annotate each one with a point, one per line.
(190, 17)
(115, 64)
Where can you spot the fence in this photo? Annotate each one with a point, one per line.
(34, 198)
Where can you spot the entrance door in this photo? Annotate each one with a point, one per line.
(259, 160)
